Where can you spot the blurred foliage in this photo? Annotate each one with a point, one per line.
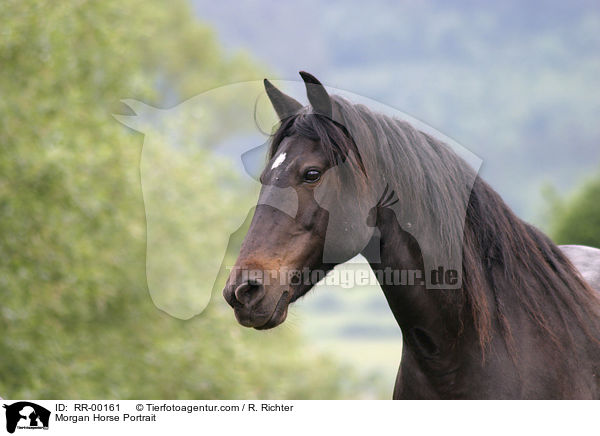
(76, 317)
(577, 218)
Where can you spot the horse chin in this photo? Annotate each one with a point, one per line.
(277, 318)
(277, 315)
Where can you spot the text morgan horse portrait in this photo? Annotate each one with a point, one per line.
(523, 321)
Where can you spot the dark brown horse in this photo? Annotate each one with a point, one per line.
(494, 308)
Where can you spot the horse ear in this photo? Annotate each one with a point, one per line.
(142, 118)
(317, 95)
(284, 105)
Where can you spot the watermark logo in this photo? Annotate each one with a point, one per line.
(25, 415)
(200, 167)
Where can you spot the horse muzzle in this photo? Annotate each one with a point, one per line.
(256, 306)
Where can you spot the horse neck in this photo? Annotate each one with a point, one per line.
(430, 320)
(443, 353)
(440, 341)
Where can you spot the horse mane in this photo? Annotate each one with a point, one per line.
(510, 263)
(506, 263)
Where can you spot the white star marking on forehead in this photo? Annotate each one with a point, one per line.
(278, 161)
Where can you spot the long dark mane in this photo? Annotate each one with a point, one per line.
(505, 262)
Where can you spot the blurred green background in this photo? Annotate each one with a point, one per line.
(517, 84)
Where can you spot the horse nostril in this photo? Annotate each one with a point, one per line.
(249, 293)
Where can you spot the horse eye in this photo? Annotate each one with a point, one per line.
(312, 176)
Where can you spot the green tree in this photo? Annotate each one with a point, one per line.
(577, 219)
(75, 314)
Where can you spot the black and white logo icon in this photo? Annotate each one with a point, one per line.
(26, 415)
